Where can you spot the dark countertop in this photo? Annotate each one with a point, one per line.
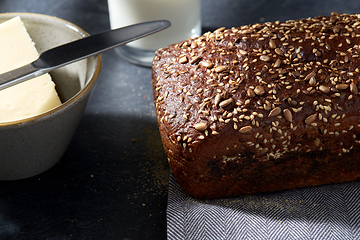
(112, 181)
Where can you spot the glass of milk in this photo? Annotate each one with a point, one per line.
(184, 15)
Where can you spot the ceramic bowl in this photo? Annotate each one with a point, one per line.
(32, 146)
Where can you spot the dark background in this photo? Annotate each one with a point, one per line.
(112, 181)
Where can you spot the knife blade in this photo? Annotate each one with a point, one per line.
(80, 49)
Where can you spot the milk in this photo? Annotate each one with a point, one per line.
(184, 15)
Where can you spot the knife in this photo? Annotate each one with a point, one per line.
(80, 49)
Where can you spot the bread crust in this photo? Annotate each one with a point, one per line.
(263, 107)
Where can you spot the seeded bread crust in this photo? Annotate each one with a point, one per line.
(263, 107)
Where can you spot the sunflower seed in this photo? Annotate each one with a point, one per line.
(276, 111)
(277, 63)
(250, 92)
(324, 89)
(278, 51)
(206, 64)
(219, 69)
(217, 99)
(354, 88)
(195, 59)
(341, 86)
(200, 126)
(310, 119)
(264, 58)
(225, 102)
(310, 75)
(317, 142)
(312, 81)
(272, 44)
(183, 60)
(246, 129)
(247, 31)
(242, 52)
(193, 45)
(287, 115)
(259, 90)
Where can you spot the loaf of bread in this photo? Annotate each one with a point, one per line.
(263, 107)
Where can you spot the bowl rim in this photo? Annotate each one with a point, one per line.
(88, 86)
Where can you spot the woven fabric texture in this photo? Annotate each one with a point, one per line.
(325, 212)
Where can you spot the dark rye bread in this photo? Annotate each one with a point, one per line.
(263, 107)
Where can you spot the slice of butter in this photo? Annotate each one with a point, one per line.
(29, 98)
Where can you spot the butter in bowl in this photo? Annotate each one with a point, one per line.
(39, 117)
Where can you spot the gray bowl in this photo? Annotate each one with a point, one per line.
(33, 145)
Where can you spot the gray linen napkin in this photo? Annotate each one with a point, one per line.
(325, 212)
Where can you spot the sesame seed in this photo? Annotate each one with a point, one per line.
(271, 78)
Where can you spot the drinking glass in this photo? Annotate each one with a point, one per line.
(184, 15)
